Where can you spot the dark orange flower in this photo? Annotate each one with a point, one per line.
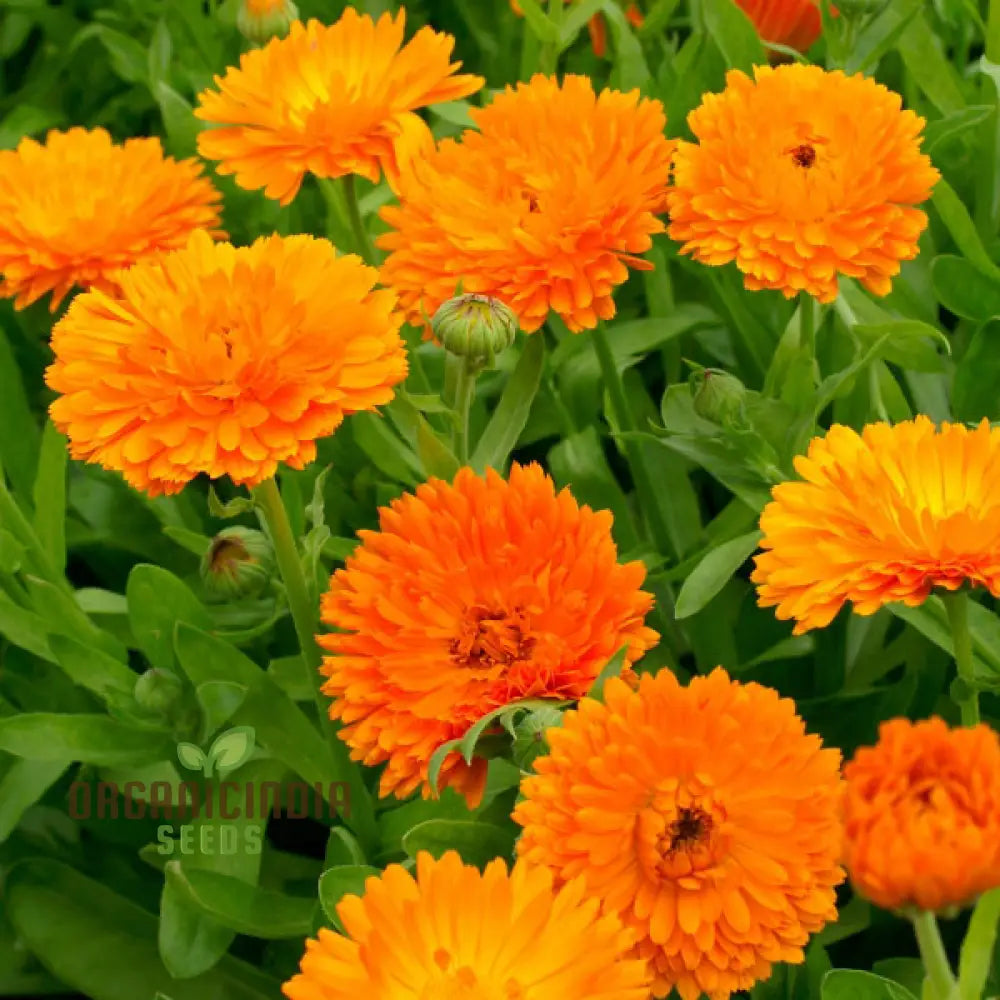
(454, 933)
(542, 208)
(78, 208)
(223, 360)
(883, 516)
(596, 26)
(801, 175)
(922, 814)
(704, 816)
(329, 100)
(795, 23)
(472, 595)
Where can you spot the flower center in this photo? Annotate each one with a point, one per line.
(804, 155)
(491, 638)
(226, 555)
(680, 832)
(691, 828)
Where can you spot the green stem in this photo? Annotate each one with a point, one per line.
(807, 322)
(655, 521)
(302, 607)
(362, 241)
(957, 606)
(936, 965)
(460, 391)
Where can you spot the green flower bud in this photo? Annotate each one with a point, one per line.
(529, 735)
(474, 327)
(260, 20)
(238, 563)
(158, 691)
(719, 397)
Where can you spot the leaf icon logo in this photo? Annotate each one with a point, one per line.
(229, 750)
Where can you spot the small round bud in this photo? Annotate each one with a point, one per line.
(260, 20)
(158, 691)
(719, 397)
(238, 563)
(474, 327)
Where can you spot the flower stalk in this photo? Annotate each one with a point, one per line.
(936, 965)
(957, 606)
(362, 241)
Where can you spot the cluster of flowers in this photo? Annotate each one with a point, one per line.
(674, 837)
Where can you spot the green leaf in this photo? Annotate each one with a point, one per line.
(964, 290)
(977, 949)
(19, 442)
(49, 497)
(246, 909)
(157, 601)
(340, 881)
(909, 343)
(734, 33)
(511, 413)
(193, 541)
(158, 56)
(974, 394)
(435, 456)
(219, 700)
(713, 573)
(539, 23)
(128, 57)
(229, 508)
(477, 843)
(611, 669)
(93, 669)
(342, 848)
(92, 739)
(232, 748)
(22, 785)
(959, 223)
(384, 448)
(629, 70)
(951, 126)
(104, 946)
(24, 628)
(850, 984)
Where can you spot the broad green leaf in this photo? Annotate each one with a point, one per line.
(159, 52)
(95, 601)
(974, 393)
(964, 289)
(612, 668)
(629, 69)
(435, 456)
(93, 669)
(219, 700)
(50, 497)
(924, 56)
(19, 442)
(942, 131)
(387, 452)
(978, 947)
(92, 739)
(127, 56)
(734, 33)
(909, 343)
(244, 908)
(340, 881)
(104, 946)
(157, 601)
(850, 984)
(22, 785)
(713, 573)
(539, 22)
(959, 223)
(342, 848)
(24, 628)
(232, 748)
(511, 413)
(477, 843)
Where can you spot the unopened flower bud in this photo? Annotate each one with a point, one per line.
(158, 691)
(474, 327)
(260, 20)
(238, 563)
(719, 397)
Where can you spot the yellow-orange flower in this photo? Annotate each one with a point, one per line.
(795, 23)
(801, 175)
(329, 100)
(883, 516)
(472, 595)
(596, 26)
(922, 815)
(76, 209)
(454, 933)
(542, 208)
(704, 816)
(223, 360)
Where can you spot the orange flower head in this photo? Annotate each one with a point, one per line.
(801, 175)
(542, 207)
(223, 360)
(329, 100)
(472, 595)
(455, 933)
(882, 516)
(922, 815)
(78, 208)
(704, 816)
(794, 23)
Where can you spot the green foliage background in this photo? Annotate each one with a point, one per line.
(93, 576)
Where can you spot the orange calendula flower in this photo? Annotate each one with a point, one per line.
(455, 933)
(795, 23)
(801, 175)
(543, 207)
(704, 816)
(472, 595)
(76, 209)
(596, 26)
(329, 100)
(223, 360)
(882, 516)
(922, 815)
